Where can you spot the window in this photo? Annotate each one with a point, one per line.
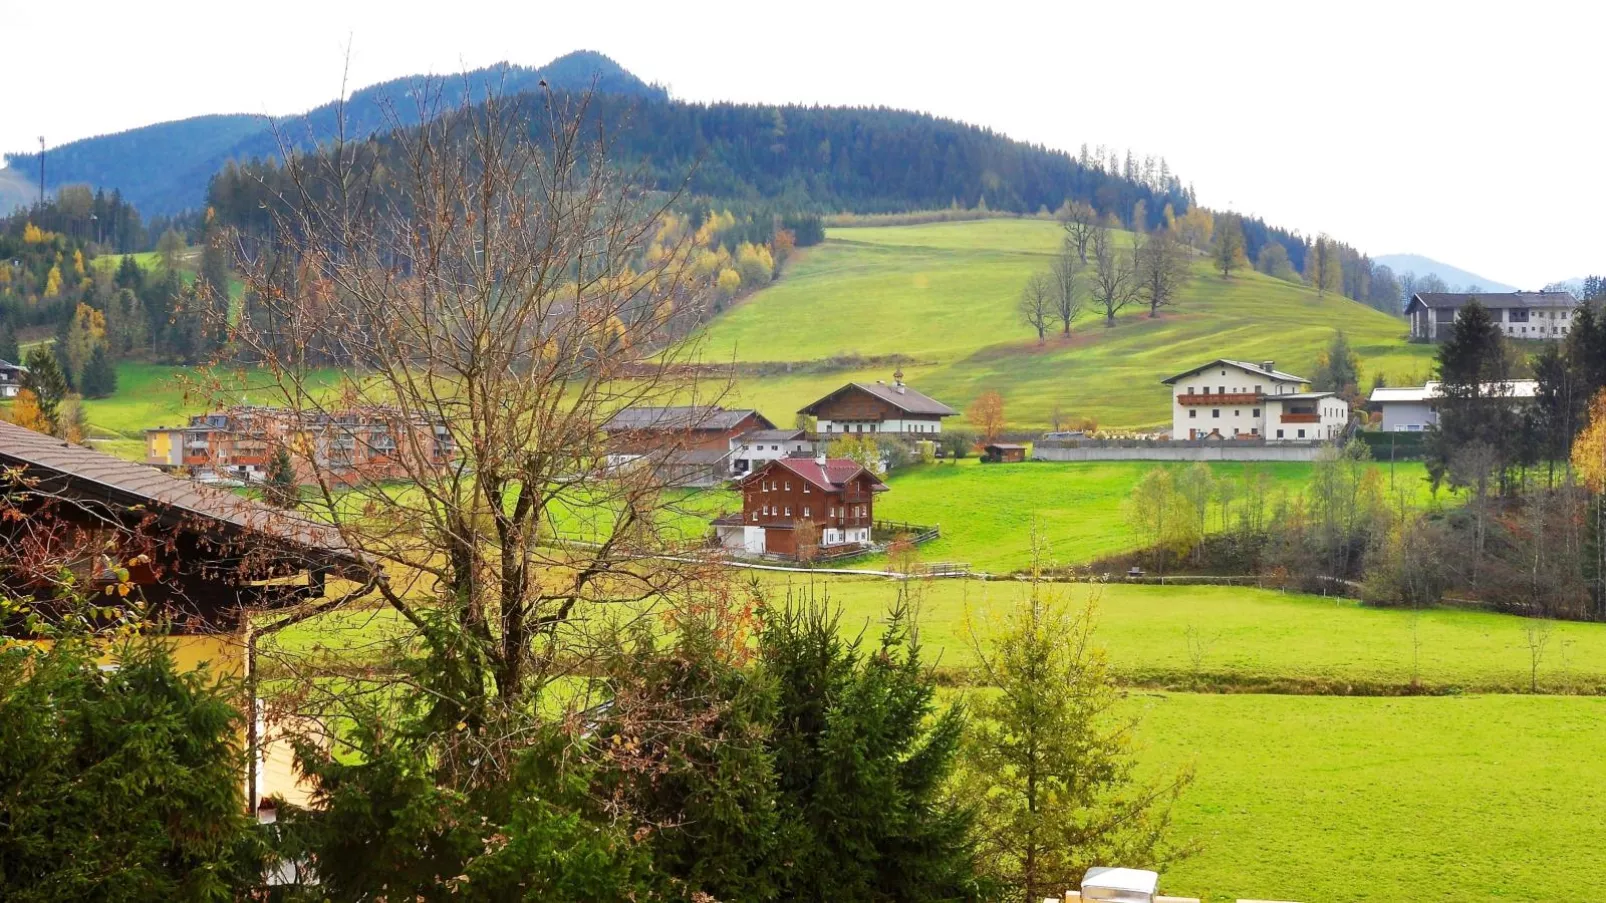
(1193, 412)
(1257, 388)
(805, 510)
(1279, 434)
(805, 489)
(1301, 434)
(1255, 412)
(788, 510)
(1237, 412)
(1235, 431)
(788, 485)
(1222, 388)
(1215, 412)
(1190, 390)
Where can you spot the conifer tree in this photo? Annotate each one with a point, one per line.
(45, 379)
(279, 489)
(1048, 760)
(100, 377)
(9, 351)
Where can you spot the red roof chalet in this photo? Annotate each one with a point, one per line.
(796, 507)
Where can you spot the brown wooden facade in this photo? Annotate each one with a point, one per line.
(810, 502)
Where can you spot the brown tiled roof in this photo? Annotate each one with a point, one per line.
(777, 435)
(900, 396)
(96, 476)
(836, 473)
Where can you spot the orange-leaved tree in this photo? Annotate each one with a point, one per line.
(986, 414)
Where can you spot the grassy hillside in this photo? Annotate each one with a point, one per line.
(945, 294)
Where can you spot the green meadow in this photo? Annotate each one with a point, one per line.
(1383, 800)
(988, 511)
(944, 295)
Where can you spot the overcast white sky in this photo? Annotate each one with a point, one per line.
(1469, 132)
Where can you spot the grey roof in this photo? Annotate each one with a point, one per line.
(1494, 299)
(100, 477)
(7, 365)
(776, 435)
(904, 398)
(1252, 368)
(681, 417)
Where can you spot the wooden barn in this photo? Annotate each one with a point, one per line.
(878, 408)
(797, 507)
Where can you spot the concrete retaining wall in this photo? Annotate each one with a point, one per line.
(1180, 453)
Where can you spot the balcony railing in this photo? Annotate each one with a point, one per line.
(1223, 398)
(1302, 418)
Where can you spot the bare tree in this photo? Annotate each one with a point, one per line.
(1037, 303)
(1080, 221)
(484, 281)
(1114, 282)
(1162, 269)
(1068, 290)
(1536, 631)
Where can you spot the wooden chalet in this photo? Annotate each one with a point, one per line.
(878, 408)
(798, 505)
(199, 561)
(1003, 453)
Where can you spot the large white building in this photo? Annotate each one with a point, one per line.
(1228, 399)
(1520, 315)
(1412, 409)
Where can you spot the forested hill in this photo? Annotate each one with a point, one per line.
(164, 168)
(800, 159)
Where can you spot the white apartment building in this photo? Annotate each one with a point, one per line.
(1228, 399)
(1521, 315)
(1412, 409)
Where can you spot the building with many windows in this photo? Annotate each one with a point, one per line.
(1521, 315)
(1228, 399)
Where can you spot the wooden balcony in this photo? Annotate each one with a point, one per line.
(1221, 399)
(1302, 418)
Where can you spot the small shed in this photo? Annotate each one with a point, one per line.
(1003, 453)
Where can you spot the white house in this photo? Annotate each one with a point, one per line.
(11, 379)
(1228, 399)
(1412, 409)
(753, 450)
(1520, 315)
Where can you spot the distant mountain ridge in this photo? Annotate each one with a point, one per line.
(164, 168)
(1453, 276)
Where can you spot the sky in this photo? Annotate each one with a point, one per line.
(1468, 132)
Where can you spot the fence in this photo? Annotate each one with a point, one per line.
(1175, 450)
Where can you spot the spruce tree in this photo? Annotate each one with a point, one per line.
(279, 488)
(9, 351)
(100, 376)
(45, 379)
(1476, 419)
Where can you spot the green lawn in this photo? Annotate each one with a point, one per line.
(1385, 800)
(986, 511)
(1253, 638)
(944, 294)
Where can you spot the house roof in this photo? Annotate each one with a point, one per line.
(7, 365)
(1256, 369)
(776, 435)
(900, 396)
(99, 476)
(836, 472)
(681, 417)
(1006, 446)
(1300, 396)
(1493, 299)
(1512, 388)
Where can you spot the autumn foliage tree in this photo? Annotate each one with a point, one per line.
(986, 414)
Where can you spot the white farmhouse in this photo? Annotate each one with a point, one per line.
(1412, 409)
(751, 451)
(1228, 399)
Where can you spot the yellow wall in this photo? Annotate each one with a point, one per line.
(162, 445)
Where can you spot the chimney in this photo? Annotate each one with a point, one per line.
(1267, 365)
(819, 456)
(897, 380)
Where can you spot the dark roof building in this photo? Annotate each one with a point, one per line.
(1520, 315)
(878, 407)
(711, 427)
(208, 549)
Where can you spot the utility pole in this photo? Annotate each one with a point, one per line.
(41, 170)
